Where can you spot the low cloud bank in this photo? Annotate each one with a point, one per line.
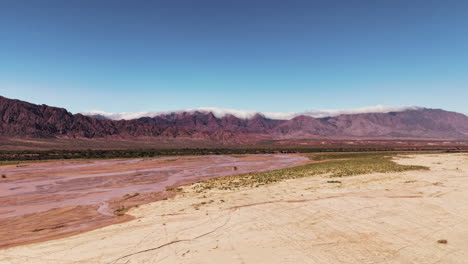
(361, 110)
(246, 114)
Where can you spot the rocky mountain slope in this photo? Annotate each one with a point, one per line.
(23, 119)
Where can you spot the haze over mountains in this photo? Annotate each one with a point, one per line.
(246, 114)
(25, 120)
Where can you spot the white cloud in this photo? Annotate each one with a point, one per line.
(246, 114)
(361, 110)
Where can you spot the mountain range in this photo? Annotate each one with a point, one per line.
(19, 119)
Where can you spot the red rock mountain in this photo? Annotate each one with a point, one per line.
(23, 119)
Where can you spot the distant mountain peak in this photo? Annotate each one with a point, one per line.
(23, 119)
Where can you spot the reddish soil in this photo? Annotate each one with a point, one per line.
(42, 201)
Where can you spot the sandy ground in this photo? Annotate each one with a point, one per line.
(40, 201)
(375, 218)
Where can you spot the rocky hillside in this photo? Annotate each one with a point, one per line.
(23, 119)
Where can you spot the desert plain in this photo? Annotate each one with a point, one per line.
(407, 216)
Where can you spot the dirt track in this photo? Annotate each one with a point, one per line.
(39, 201)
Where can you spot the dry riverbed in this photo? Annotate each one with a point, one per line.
(416, 216)
(41, 201)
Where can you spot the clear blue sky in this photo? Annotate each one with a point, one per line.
(271, 55)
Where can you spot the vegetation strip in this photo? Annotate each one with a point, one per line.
(334, 165)
(15, 157)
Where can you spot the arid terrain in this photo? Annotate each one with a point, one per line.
(414, 216)
(39, 201)
(233, 132)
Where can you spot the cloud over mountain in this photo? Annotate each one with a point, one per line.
(246, 114)
(23, 119)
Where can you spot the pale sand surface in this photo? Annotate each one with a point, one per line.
(374, 218)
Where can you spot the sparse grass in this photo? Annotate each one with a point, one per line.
(13, 156)
(174, 189)
(237, 156)
(333, 181)
(130, 195)
(198, 205)
(411, 181)
(17, 163)
(25, 163)
(121, 211)
(8, 162)
(333, 164)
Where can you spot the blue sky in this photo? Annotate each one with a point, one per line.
(280, 56)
